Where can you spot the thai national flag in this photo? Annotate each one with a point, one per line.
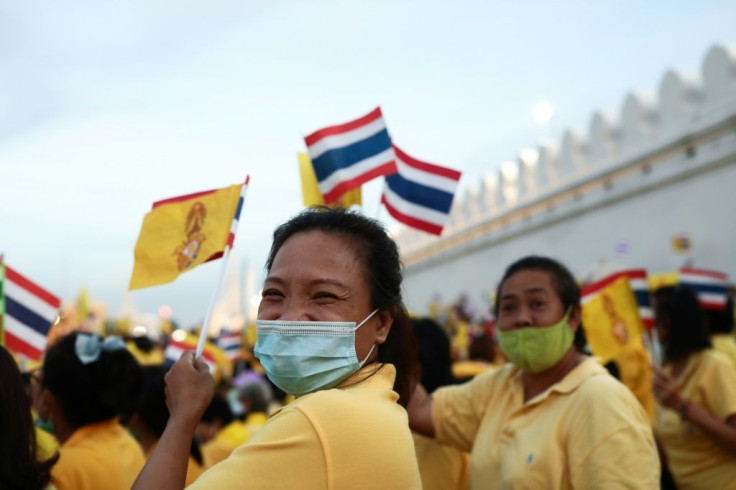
(230, 342)
(176, 348)
(348, 155)
(710, 286)
(420, 194)
(639, 286)
(30, 311)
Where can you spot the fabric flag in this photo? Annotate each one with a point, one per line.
(611, 314)
(183, 232)
(348, 155)
(28, 314)
(310, 189)
(213, 356)
(710, 286)
(230, 342)
(420, 194)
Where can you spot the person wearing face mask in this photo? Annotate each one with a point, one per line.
(551, 417)
(334, 332)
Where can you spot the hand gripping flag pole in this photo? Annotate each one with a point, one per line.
(223, 270)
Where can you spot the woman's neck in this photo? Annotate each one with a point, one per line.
(537, 383)
(62, 430)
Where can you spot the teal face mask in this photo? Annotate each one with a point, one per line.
(302, 357)
(536, 349)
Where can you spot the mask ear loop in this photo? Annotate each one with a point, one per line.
(362, 363)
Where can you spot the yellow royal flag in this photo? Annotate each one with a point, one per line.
(611, 320)
(310, 189)
(180, 233)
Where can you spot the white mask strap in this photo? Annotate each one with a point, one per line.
(369, 355)
(366, 319)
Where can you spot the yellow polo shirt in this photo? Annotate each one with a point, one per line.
(441, 467)
(219, 447)
(586, 431)
(695, 460)
(355, 436)
(726, 344)
(636, 373)
(96, 456)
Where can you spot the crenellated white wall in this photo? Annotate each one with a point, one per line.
(665, 164)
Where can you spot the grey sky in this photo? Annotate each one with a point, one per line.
(106, 107)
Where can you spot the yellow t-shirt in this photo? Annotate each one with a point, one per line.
(726, 344)
(586, 431)
(254, 422)
(441, 467)
(228, 438)
(355, 436)
(695, 460)
(96, 456)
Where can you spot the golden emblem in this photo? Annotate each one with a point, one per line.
(187, 252)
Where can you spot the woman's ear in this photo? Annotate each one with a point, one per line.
(576, 316)
(385, 320)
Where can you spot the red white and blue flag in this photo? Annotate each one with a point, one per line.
(639, 286)
(420, 195)
(176, 348)
(230, 342)
(710, 286)
(29, 313)
(348, 155)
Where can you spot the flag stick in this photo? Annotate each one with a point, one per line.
(223, 269)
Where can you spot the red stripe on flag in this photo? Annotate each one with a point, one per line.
(19, 346)
(343, 128)
(334, 195)
(185, 197)
(410, 220)
(31, 287)
(426, 167)
(597, 286)
(230, 239)
(705, 273)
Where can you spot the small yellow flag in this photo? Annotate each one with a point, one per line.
(611, 320)
(310, 189)
(181, 233)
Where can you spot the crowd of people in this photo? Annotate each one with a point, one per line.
(374, 399)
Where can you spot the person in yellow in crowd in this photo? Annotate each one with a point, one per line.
(20, 466)
(696, 386)
(720, 326)
(255, 398)
(87, 383)
(551, 418)
(151, 415)
(332, 330)
(219, 432)
(635, 371)
(441, 467)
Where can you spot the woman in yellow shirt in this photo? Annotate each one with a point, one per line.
(332, 330)
(551, 418)
(86, 383)
(696, 388)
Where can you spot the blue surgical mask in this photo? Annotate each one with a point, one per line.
(301, 357)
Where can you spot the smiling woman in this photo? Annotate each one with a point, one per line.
(332, 330)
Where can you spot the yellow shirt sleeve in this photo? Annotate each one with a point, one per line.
(285, 453)
(457, 411)
(610, 444)
(717, 384)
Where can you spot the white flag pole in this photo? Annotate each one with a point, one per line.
(223, 269)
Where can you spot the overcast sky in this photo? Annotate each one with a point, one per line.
(106, 106)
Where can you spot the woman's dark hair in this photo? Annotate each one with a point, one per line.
(562, 280)
(218, 408)
(382, 267)
(19, 464)
(678, 310)
(94, 392)
(433, 349)
(721, 321)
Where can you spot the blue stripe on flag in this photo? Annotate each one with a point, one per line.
(343, 157)
(429, 197)
(26, 316)
(705, 288)
(642, 297)
(240, 208)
